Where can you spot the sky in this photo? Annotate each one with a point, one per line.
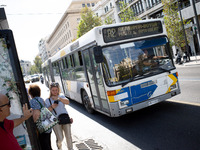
(32, 20)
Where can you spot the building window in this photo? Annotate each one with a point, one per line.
(78, 20)
(83, 5)
(92, 4)
(70, 33)
(88, 4)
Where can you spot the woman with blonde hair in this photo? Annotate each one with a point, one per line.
(56, 104)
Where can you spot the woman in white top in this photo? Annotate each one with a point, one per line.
(56, 104)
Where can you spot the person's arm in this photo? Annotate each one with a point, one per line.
(36, 115)
(27, 114)
(63, 100)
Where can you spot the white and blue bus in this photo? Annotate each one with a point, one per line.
(116, 69)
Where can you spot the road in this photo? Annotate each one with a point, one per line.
(189, 78)
(170, 125)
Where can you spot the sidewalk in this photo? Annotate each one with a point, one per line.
(194, 61)
(78, 143)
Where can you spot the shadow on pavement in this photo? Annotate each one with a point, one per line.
(164, 126)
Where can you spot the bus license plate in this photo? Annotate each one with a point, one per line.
(153, 102)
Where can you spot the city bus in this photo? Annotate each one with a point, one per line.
(116, 69)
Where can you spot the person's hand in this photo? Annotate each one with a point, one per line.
(54, 105)
(27, 112)
(71, 120)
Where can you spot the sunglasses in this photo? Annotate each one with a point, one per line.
(54, 84)
(6, 104)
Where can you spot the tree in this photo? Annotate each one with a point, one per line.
(126, 13)
(173, 23)
(33, 69)
(108, 20)
(38, 64)
(88, 21)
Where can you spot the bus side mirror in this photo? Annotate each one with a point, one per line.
(98, 55)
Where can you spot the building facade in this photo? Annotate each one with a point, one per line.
(187, 12)
(66, 30)
(105, 9)
(26, 67)
(43, 52)
(150, 9)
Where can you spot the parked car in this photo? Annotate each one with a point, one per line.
(27, 79)
(35, 78)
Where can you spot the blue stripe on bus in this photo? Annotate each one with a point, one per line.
(137, 93)
(140, 94)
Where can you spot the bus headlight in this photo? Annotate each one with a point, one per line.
(123, 104)
(172, 87)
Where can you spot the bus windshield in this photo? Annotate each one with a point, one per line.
(135, 60)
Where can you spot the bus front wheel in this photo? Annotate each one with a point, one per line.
(86, 102)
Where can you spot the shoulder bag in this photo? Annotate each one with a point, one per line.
(46, 120)
(62, 118)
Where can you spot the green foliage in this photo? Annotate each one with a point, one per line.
(108, 20)
(37, 67)
(173, 23)
(88, 21)
(34, 69)
(126, 13)
(38, 64)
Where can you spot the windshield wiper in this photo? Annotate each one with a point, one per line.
(131, 79)
(125, 83)
(164, 69)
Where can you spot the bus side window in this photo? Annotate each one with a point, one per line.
(71, 59)
(66, 62)
(69, 62)
(57, 68)
(76, 59)
(63, 63)
(80, 58)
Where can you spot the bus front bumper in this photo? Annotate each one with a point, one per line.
(119, 112)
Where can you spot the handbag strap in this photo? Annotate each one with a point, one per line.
(53, 108)
(39, 102)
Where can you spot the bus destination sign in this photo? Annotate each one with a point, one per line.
(131, 31)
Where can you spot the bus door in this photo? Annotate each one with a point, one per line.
(63, 78)
(95, 79)
(57, 74)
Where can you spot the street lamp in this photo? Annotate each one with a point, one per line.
(187, 48)
(197, 21)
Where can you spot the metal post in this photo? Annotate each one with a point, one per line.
(196, 18)
(187, 49)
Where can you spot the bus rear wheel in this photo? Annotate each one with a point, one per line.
(86, 102)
